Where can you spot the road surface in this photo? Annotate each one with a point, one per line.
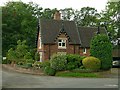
(12, 79)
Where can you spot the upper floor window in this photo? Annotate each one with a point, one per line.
(62, 43)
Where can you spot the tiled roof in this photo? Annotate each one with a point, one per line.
(51, 28)
(86, 34)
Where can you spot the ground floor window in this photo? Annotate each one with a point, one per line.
(84, 50)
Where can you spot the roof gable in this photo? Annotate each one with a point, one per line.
(50, 29)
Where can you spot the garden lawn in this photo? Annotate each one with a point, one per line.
(76, 74)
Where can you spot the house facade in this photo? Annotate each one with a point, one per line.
(64, 37)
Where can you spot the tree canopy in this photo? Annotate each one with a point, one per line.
(20, 21)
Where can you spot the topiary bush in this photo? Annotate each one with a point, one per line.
(101, 48)
(58, 62)
(49, 71)
(91, 63)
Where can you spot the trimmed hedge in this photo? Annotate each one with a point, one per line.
(101, 48)
(91, 63)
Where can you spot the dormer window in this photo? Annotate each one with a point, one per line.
(62, 43)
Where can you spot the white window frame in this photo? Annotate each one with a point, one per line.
(40, 56)
(84, 50)
(40, 42)
(63, 40)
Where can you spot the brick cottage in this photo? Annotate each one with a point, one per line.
(64, 37)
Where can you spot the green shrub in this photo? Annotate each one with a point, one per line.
(11, 55)
(82, 67)
(58, 62)
(70, 66)
(37, 56)
(29, 61)
(37, 64)
(6, 61)
(101, 48)
(45, 64)
(73, 61)
(29, 65)
(49, 71)
(28, 56)
(91, 63)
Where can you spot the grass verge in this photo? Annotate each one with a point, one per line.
(76, 74)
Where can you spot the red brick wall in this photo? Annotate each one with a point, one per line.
(50, 49)
(87, 52)
(53, 49)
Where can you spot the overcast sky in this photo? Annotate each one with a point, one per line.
(61, 4)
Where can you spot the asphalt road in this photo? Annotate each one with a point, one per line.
(12, 79)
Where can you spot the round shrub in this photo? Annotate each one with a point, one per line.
(91, 63)
(49, 71)
(58, 62)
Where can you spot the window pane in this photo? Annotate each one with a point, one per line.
(63, 44)
(60, 44)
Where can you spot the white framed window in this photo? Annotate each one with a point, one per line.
(62, 43)
(84, 50)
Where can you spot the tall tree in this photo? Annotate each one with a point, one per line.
(87, 16)
(19, 22)
(111, 19)
(67, 13)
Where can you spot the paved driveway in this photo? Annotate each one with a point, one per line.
(17, 80)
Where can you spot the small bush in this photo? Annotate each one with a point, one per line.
(73, 61)
(28, 56)
(29, 61)
(91, 63)
(37, 64)
(4, 61)
(49, 71)
(29, 65)
(45, 64)
(37, 56)
(58, 62)
(70, 66)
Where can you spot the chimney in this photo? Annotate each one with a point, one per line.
(57, 15)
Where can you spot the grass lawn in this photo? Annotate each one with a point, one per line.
(76, 74)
